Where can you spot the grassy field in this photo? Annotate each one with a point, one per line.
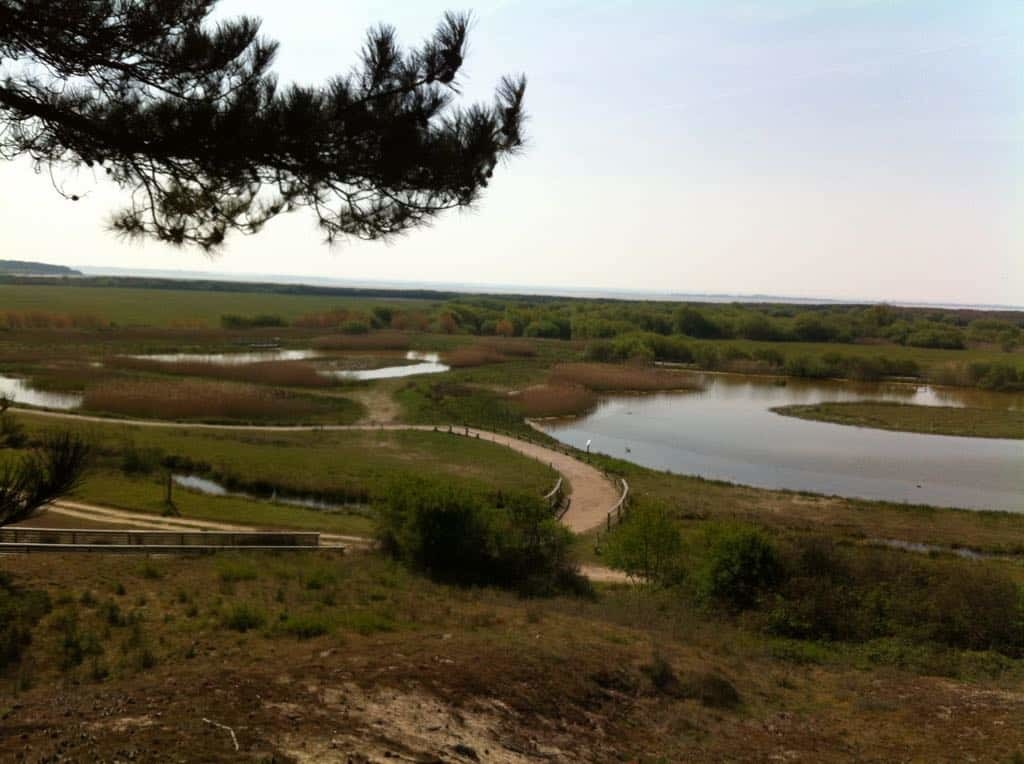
(936, 420)
(166, 307)
(353, 464)
(146, 493)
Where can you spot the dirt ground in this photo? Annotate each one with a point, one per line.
(463, 676)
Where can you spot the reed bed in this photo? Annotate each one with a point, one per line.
(606, 377)
(281, 373)
(474, 355)
(372, 341)
(40, 319)
(195, 399)
(510, 347)
(330, 319)
(555, 400)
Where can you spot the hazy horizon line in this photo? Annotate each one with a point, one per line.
(526, 290)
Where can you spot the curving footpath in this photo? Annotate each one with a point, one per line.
(593, 495)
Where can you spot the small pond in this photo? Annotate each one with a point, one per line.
(728, 432)
(19, 391)
(232, 359)
(213, 488)
(424, 363)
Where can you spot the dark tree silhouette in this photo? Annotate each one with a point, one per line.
(186, 115)
(43, 475)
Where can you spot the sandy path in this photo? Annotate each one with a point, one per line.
(593, 495)
(112, 515)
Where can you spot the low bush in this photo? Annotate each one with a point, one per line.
(646, 546)
(244, 617)
(740, 566)
(458, 536)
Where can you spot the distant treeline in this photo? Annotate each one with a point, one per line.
(31, 268)
(571, 318)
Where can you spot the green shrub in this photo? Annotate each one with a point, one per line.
(862, 594)
(305, 626)
(137, 461)
(646, 545)
(739, 567)
(458, 536)
(244, 617)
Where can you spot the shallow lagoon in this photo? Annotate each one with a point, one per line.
(728, 432)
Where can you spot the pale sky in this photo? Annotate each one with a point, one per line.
(852, 149)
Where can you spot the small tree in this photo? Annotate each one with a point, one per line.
(40, 477)
(646, 546)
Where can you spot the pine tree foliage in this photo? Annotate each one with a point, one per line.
(43, 475)
(187, 116)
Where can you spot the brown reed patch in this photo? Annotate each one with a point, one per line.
(373, 341)
(555, 400)
(330, 319)
(607, 377)
(195, 399)
(510, 347)
(474, 355)
(282, 373)
(40, 319)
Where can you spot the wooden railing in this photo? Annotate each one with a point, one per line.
(616, 513)
(158, 538)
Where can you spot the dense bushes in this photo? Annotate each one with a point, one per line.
(457, 536)
(858, 594)
(812, 588)
(988, 376)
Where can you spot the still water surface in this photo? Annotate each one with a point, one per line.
(728, 432)
(429, 363)
(19, 391)
(232, 359)
(213, 488)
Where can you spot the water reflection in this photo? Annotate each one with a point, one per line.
(727, 432)
(213, 488)
(19, 391)
(232, 359)
(430, 363)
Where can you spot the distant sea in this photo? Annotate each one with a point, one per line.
(517, 289)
